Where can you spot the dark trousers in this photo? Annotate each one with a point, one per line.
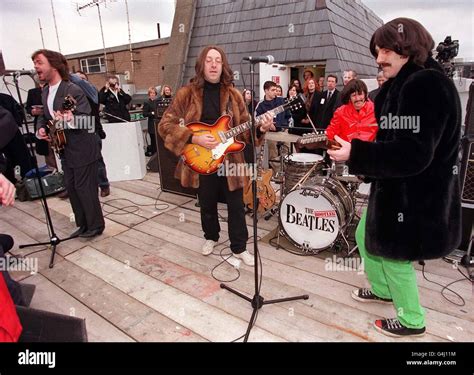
(103, 181)
(210, 187)
(82, 185)
(153, 143)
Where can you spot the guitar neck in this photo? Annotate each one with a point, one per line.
(239, 129)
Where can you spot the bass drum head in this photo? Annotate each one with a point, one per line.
(309, 219)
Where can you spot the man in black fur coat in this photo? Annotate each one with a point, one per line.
(414, 210)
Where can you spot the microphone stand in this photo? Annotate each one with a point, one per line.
(54, 240)
(257, 301)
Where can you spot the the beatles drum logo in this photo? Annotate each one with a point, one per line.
(312, 219)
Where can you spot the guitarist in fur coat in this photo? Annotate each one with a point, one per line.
(210, 95)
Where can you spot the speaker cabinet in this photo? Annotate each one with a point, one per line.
(467, 172)
(167, 162)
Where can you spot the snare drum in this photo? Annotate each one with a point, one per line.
(298, 164)
(311, 217)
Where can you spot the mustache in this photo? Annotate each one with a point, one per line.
(385, 65)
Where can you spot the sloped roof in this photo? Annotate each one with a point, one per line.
(335, 31)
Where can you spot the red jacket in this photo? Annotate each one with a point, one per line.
(350, 124)
(10, 326)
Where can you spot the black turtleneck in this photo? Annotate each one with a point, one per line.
(211, 102)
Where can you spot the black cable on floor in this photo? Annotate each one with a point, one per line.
(446, 287)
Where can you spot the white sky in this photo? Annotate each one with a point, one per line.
(20, 35)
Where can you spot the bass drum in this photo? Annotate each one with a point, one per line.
(312, 216)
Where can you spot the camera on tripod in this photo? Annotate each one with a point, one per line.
(447, 51)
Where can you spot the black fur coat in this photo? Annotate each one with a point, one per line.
(414, 209)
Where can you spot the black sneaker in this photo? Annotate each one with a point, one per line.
(366, 295)
(393, 328)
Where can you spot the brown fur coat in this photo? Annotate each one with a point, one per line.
(187, 108)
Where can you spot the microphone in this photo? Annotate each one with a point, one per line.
(14, 73)
(265, 59)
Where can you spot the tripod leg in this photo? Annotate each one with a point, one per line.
(251, 323)
(34, 244)
(51, 262)
(223, 286)
(304, 296)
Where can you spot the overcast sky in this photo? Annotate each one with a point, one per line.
(20, 35)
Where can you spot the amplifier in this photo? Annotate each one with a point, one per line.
(467, 171)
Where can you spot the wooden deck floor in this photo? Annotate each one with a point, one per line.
(144, 279)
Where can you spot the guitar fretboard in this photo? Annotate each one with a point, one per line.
(239, 129)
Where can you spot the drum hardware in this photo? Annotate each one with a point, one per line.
(278, 178)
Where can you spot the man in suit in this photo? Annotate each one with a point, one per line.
(81, 152)
(327, 104)
(380, 80)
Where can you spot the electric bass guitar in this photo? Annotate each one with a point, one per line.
(206, 161)
(55, 128)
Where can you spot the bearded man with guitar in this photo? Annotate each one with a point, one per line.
(80, 148)
(203, 147)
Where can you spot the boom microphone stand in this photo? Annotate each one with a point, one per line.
(54, 240)
(257, 301)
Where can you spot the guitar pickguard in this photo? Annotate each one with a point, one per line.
(218, 151)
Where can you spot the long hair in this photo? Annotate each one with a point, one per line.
(406, 37)
(56, 60)
(306, 84)
(227, 76)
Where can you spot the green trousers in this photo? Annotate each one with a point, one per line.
(392, 279)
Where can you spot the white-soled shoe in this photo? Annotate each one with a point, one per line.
(208, 247)
(246, 257)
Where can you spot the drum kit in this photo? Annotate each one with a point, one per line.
(318, 202)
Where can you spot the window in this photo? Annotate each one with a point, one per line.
(93, 65)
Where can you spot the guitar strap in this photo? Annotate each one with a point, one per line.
(229, 109)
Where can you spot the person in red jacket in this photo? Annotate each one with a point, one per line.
(355, 119)
(10, 326)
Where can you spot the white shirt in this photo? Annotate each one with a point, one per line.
(52, 96)
(116, 95)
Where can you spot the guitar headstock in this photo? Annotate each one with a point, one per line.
(294, 103)
(312, 138)
(69, 103)
(318, 140)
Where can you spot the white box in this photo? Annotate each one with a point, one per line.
(123, 151)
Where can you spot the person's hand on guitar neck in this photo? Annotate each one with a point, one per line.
(66, 117)
(266, 123)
